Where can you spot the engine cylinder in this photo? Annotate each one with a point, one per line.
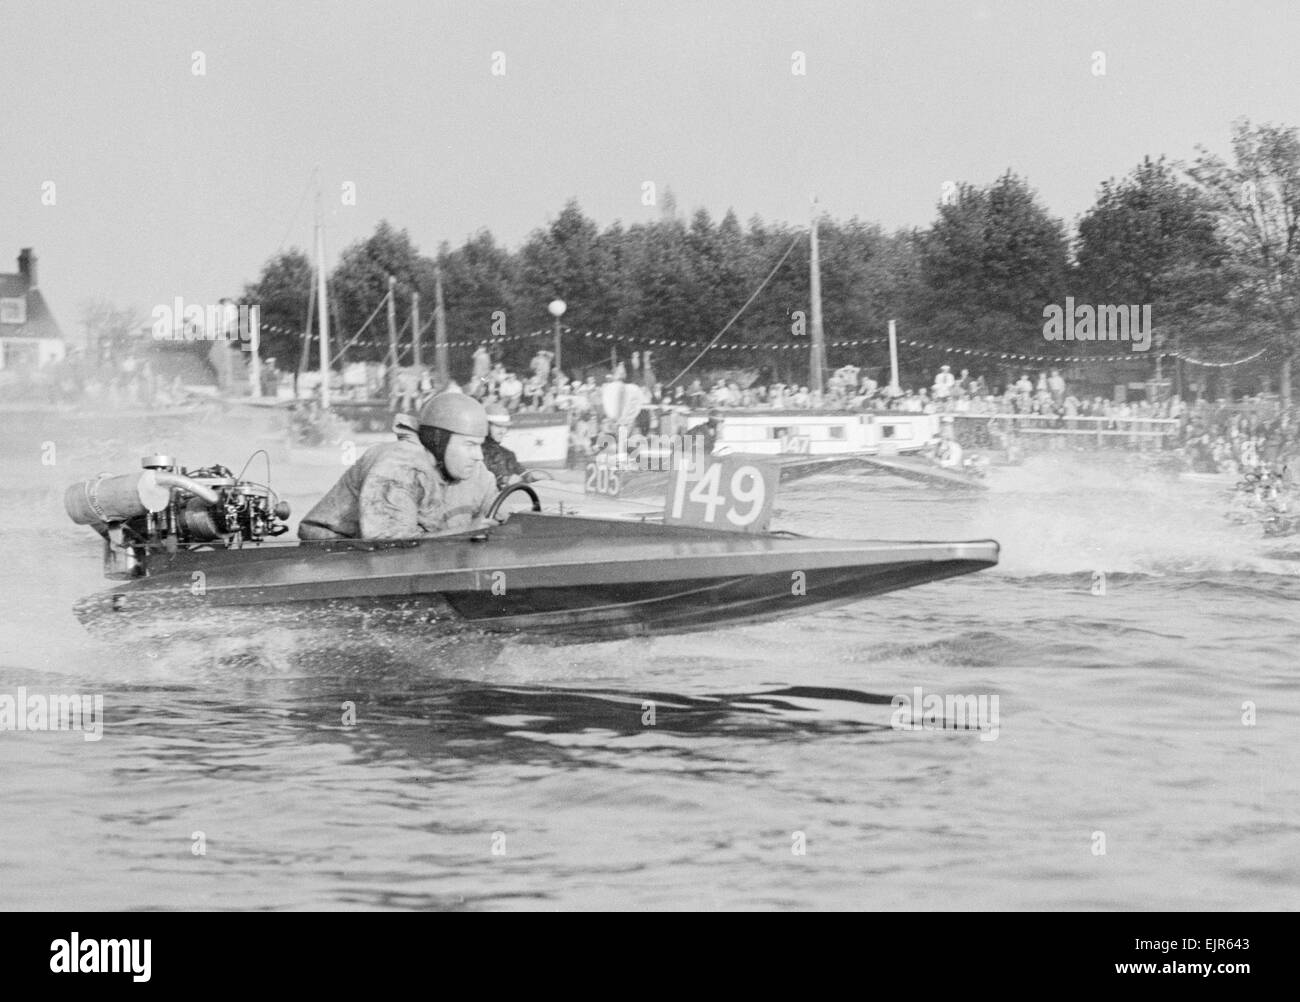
(199, 523)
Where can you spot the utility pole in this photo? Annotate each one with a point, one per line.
(556, 309)
(894, 388)
(251, 321)
(392, 330)
(1154, 396)
(817, 362)
(324, 308)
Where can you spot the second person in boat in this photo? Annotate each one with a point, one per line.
(430, 484)
(501, 462)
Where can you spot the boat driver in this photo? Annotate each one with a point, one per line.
(430, 484)
(501, 462)
(710, 430)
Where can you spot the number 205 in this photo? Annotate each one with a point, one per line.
(601, 480)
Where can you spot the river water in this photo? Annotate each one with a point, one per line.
(1142, 651)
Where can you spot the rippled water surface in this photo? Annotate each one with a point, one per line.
(483, 773)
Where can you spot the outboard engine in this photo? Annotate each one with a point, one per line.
(166, 510)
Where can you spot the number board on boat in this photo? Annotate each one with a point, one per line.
(733, 493)
(604, 477)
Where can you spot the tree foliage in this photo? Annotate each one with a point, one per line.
(360, 283)
(1218, 259)
(111, 330)
(282, 293)
(1151, 240)
(990, 264)
(1256, 200)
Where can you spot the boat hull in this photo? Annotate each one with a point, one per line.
(536, 575)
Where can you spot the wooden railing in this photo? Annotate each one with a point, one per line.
(1096, 429)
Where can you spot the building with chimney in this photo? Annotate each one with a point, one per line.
(29, 335)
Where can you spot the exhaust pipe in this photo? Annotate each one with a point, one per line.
(186, 484)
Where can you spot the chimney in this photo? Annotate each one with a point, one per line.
(27, 267)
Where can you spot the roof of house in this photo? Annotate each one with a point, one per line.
(40, 321)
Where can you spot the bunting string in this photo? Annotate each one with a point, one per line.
(804, 345)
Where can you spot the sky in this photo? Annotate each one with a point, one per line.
(167, 182)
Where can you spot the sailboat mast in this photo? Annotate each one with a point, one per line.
(818, 360)
(324, 311)
(894, 388)
(442, 367)
(415, 334)
(306, 332)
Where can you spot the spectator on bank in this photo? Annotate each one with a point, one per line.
(534, 391)
(943, 383)
(1056, 387)
(1071, 408)
(511, 390)
(482, 368)
(541, 366)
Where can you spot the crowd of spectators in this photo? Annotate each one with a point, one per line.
(1252, 436)
(1211, 437)
(129, 381)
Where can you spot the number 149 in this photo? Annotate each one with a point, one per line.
(743, 502)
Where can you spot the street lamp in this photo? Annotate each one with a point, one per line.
(556, 309)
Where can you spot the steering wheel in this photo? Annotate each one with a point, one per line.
(495, 506)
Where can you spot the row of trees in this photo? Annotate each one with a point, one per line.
(1212, 246)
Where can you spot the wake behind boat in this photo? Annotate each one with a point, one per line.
(198, 546)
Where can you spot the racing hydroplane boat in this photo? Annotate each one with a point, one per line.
(198, 546)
